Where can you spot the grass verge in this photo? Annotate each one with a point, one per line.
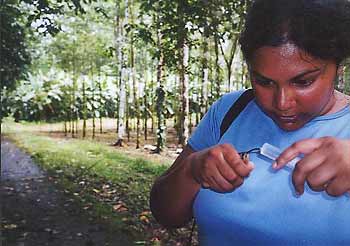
(111, 185)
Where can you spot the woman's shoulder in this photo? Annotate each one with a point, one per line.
(230, 98)
(224, 103)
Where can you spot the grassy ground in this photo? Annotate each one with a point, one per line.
(111, 184)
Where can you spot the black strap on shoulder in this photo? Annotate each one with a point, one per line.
(235, 110)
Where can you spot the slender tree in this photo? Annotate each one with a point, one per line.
(160, 92)
(122, 82)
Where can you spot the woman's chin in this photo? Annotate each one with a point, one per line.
(289, 126)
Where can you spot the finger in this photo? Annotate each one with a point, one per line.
(225, 169)
(238, 182)
(222, 183)
(320, 177)
(304, 168)
(243, 168)
(230, 173)
(233, 159)
(305, 146)
(219, 184)
(214, 179)
(336, 187)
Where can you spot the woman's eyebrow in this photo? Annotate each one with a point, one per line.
(262, 77)
(256, 74)
(305, 73)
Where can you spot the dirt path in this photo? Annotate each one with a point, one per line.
(35, 212)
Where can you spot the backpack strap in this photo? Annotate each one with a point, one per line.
(236, 108)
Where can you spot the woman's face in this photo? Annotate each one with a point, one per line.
(290, 86)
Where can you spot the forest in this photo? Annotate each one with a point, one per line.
(147, 64)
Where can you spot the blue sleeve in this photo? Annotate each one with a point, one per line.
(207, 133)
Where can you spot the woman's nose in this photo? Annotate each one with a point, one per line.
(284, 99)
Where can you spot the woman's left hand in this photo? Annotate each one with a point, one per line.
(325, 166)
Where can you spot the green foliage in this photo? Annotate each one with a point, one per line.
(17, 18)
(48, 96)
(13, 52)
(43, 13)
(38, 97)
(85, 51)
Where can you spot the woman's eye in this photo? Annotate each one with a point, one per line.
(303, 82)
(263, 82)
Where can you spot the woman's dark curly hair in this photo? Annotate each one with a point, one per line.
(319, 27)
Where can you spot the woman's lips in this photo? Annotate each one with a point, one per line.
(286, 118)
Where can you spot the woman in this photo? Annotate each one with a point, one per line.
(293, 49)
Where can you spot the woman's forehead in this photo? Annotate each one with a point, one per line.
(284, 57)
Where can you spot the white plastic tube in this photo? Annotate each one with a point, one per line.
(273, 152)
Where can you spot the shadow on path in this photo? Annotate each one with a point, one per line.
(36, 212)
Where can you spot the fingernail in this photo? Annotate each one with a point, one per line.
(274, 165)
(298, 194)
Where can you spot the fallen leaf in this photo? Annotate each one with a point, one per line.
(146, 212)
(144, 219)
(120, 208)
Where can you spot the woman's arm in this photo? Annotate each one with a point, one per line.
(173, 193)
(219, 168)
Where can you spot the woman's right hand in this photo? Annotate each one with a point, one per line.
(219, 168)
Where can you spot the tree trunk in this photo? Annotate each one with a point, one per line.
(145, 117)
(184, 87)
(65, 128)
(84, 109)
(100, 98)
(231, 52)
(93, 108)
(217, 68)
(93, 112)
(117, 36)
(122, 81)
(134, 82)
(73, 108)
(204, 76)
(160, 93)
(127, 112)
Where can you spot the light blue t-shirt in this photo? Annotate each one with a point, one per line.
(265, 210)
